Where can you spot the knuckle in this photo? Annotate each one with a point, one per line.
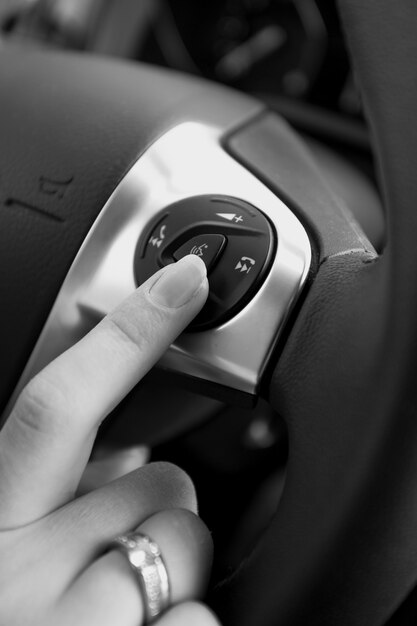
(139, 333)
(41, 407)
(178, 483)
(185, 524)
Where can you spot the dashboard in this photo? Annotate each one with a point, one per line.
(291, 48)
(274, 48)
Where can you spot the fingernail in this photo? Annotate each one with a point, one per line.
(179, 282)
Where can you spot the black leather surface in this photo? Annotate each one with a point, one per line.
(70, 127)
(342, 548)
(272, 150)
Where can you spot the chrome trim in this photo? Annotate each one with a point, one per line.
(188, 160)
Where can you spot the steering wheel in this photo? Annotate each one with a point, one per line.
(340, 360)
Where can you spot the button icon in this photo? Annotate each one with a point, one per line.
(157, 241)
(231, 217)
(199, 250)
(245, 264)
(208, 247)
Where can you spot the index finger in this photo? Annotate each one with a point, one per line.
(47, 440)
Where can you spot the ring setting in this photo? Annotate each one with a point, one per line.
(145, 559)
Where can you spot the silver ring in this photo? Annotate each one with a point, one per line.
(145, 559)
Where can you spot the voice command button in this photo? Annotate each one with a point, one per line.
(207, 247)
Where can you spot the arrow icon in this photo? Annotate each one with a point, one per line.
(242, 268)
(227, 216)
(232, 217)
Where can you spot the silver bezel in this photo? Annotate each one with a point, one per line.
(188, 160)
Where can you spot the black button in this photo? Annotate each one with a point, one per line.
(207, 247)
(234, 279)
(240, 248)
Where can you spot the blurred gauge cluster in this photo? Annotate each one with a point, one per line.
(285, 48)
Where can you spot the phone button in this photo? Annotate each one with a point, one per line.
(234, 279)
(208, 247)
(157, 238)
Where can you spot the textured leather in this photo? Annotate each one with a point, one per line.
(272, 150)
(70, 128)
(342, 548)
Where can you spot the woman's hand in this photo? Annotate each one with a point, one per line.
(54, 568)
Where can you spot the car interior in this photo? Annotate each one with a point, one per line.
(276, 139)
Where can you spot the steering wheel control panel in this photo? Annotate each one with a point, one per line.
(233, 238)
(186, 195)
